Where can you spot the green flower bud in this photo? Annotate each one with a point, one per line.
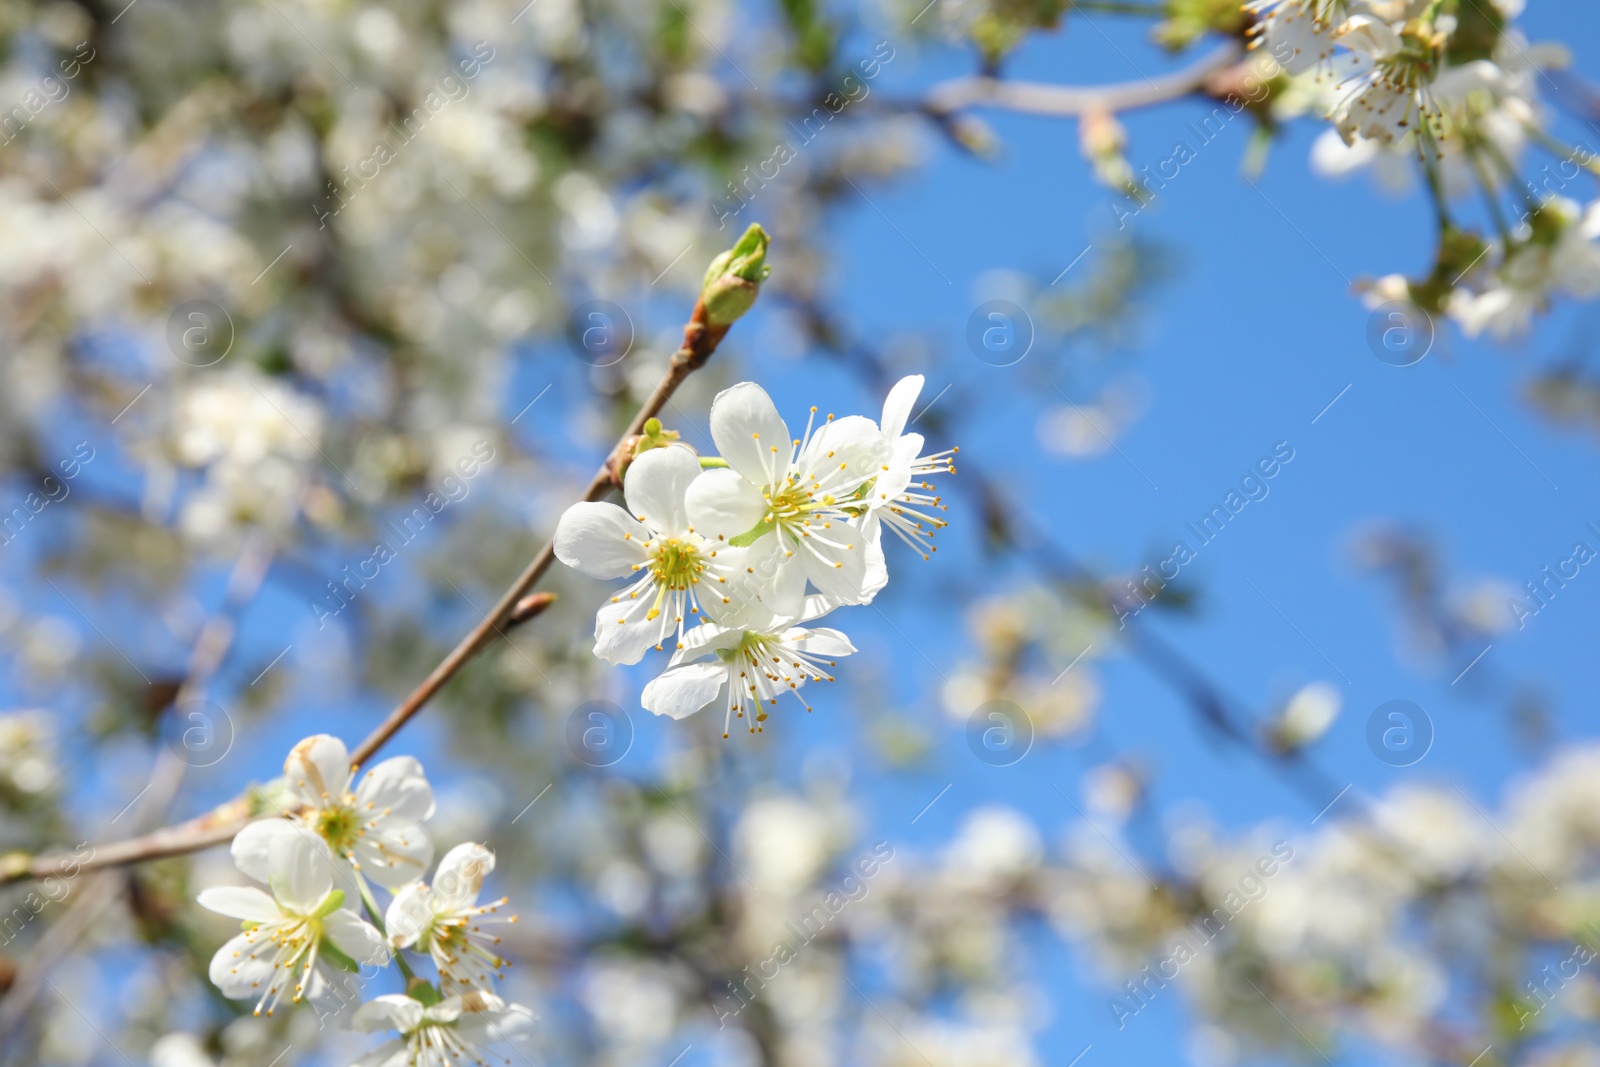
(734, 278)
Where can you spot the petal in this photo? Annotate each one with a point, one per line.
(618, 639)
(775, 579)
(600, 540)
(684, 690)
(839, 569)
(897, 405)
(892, 483)
(704, 640)
(877, 575)
(396, 788)
(318, 769)
(655, 484)
(392, 1011)
(746, 427)
(394, 853)
(250, 846)
(389, 1054)
(821, 641)
(459, 879)
(243, 966)
(241, 902)
(513, 1025)
(409, 913)
(721, 504)
(845, 451)
(355, 937)
(302, 870)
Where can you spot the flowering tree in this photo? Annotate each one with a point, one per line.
(286, 284)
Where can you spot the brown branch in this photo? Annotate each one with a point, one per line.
(1037, 98)
(700, 340)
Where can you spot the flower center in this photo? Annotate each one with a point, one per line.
(676, 564)
(339, 827)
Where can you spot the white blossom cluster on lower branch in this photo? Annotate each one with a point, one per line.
(721, 551)
(304, 937)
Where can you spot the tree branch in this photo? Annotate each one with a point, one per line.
(1037, 98)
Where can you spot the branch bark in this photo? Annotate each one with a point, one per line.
(1038, 98)
(217, 827)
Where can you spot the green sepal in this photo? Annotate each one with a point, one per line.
(330, 951)
(421, 990)
(754, 534)
(330, 904)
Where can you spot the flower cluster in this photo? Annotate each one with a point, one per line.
(1451, 88)
(306, 939)
(738, 540)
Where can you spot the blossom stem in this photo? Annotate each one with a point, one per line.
(712, 462)
(1567, 152)
(377, 920)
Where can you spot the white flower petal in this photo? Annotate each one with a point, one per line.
(746, 427)
(897, 405)
(391, 1053)
(655, 484)
(845, 450)
(623, 641)
(241, 902)
(396, 788)
(409, 913)
(250, 846)
(243, 966)
(721, 504)
(892, 483)
(460, 877)
(302, 870)
(355, 937)
(392, 1011)
(839, 569)
(394, 853)
(821, 641)
(600, 540)
(683, 690)
(318, 769)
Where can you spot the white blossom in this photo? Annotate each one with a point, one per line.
(456, 1031)
(794, 501)
(679, 572)
(373, 824)
(291, 935)
(446, 921)
(1560, 255)
(900, 496)
(754, 666)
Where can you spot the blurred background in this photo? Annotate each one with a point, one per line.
(271, 271)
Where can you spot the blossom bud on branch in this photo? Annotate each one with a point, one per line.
(734, 279)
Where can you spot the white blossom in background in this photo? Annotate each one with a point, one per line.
(254, 439)
(293, 936)
(372, 821)
(1305, 716)
(454, 1032)
(679, 572)
(27, 752)
(1560, 254)
(446, 921)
